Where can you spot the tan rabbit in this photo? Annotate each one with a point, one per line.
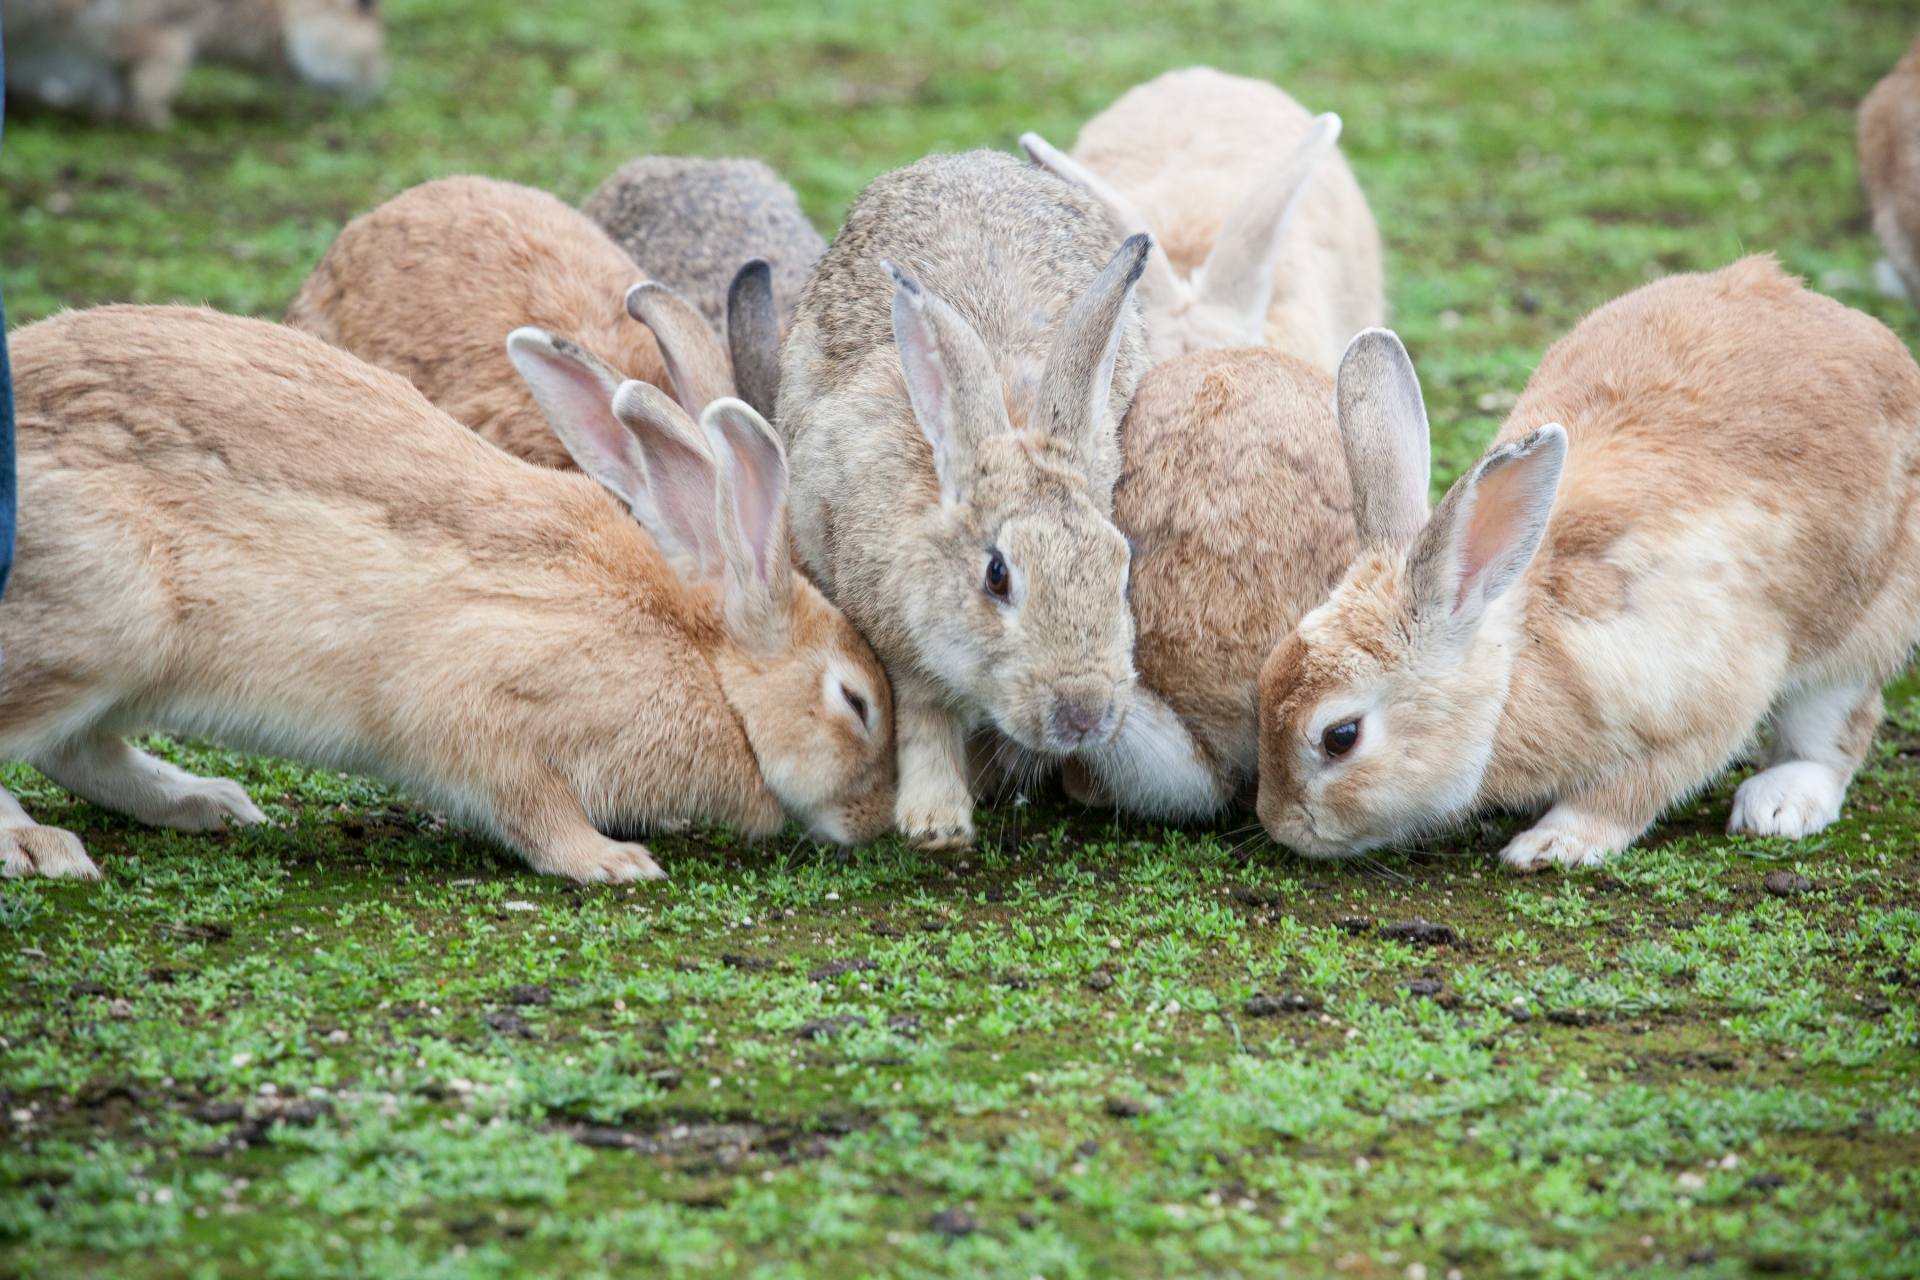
(430, 283)
(1698, 523)
(242, 533)
(1889, 137)
(950, 393)
(1261, 234)
(1235, 496)
(127, 58)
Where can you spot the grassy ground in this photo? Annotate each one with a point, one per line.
(359, 1043)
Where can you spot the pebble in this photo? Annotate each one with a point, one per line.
(1784, 884)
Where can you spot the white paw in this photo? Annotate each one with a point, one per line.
(1538, 848)
(1791, 800)
(935, 817)
(618, 863)
(214, 804)
(44, 851)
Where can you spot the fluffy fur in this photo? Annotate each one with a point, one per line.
(128, 58)
(1261, 232)
(242, 533)
(1726, 543)
(430, 284)
(970, 408)
(1889, 139)
(1240, 513)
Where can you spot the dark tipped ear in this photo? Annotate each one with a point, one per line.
(1239, 271)
(752, 503)
(575, 391)
(1383, 427)
(1158, 283)
(753, 336)
(1487, 529)
(696, 365)
(683, 478)
(1076, 387)
(950, 376)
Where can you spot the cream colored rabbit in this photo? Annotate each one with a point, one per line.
(242, 533)
(1889, 140)
(950, 393)
(1236, 499)
(128, 57)
(430, 283)
(1698, 523)
(1261, 234)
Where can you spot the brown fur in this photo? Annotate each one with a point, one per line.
(430, 284)
(1889, 143)
(242, 533)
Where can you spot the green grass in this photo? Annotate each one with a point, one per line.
(360, 1043)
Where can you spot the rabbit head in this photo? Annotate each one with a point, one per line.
(1024, 612)
(809, 693)
(338, 45)
(1224, 302)
(1378, 715)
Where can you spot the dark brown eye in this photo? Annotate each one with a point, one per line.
(856, 702)
(999, 581)
(1338, 739)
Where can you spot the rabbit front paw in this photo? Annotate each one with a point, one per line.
(44, 851)
(1542, 846)
(1793, 800)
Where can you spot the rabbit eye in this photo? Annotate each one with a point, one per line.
(857, 703)
(999, 581)
(1338, 739)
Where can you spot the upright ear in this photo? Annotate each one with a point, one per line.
(682, 478)
(575, 391)
(1383, 427)
(696, 364)
(1158, 282)
(1078, 380)
(1487, 528)
(753, 336)
(751, 500)
(951, 380)
(1239, 271)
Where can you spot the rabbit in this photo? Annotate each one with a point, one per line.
(127, 59)
(430, 283)
(242, 533)
(1622, 593)
(690, 221)
(1235, 495)
(1889, 140)
(1262, 235)
(954, 458)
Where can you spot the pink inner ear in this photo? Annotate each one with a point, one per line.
(759, 487)
(576, 400)
(683, 487)
(1505, 515)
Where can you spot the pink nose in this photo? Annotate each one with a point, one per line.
(1075, 722)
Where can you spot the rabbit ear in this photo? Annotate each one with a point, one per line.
(1078, 379)
(753, 335)
(1383, 427)
(682, 478)
(696, 364)
(1239, 272)
(1487, 529)
(751, 502)
(575, 391)
(1158, 281)
(950, 378)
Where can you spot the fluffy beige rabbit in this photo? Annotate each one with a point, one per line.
(1235, 496)
(430, 283)
(242, 533)
(1889, 137)
(1698, 524)
(128, 57)
(1261, 234)
(950, 393)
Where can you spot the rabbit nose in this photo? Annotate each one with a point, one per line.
(1080, 715)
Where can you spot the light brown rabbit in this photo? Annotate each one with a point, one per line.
(1889, 136)
(430, 283)
(1698, 524)
(1261, 234)
(1236, 499)
(242, 533)
(127, 58)
(950, 394)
